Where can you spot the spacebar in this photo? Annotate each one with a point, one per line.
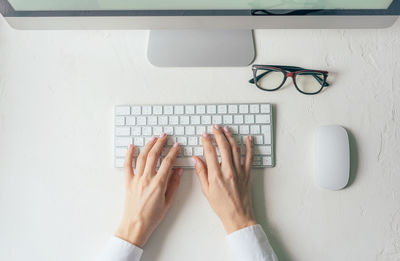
(184, 162)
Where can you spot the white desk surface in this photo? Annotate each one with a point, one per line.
(61, 198)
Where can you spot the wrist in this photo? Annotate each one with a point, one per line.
(235, 225)
(133, 232)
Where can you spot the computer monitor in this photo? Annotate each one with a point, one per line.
(199, 32)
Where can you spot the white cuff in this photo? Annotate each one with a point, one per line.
(120, 250)
(250, 243)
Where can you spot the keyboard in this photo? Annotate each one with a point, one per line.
(137, 124)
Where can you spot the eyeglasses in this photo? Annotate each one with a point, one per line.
(273, 77)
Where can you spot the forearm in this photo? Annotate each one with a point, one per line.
(250, 243)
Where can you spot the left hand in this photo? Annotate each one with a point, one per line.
(149, 194)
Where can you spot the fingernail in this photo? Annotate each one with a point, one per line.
(154, 138)
(216, 126)
(162, 135)
(226, 129)
(180, 172)
(250, 138)
(205, 134)
(176, 144)
(130, 146)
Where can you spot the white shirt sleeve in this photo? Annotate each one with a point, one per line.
(120, 250)
(250, 243)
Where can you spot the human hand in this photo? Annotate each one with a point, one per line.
(149, 194)
(227, 185)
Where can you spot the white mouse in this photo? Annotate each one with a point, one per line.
(332, 157)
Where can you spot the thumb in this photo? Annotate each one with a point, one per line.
(173, 184)
(201, 171)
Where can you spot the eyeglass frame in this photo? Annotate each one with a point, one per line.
(288, 71)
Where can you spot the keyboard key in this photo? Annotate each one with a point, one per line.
(122, 131)
(238, 119)
(222, 109)
(120, 152)
(179, 130)
(173, 120)
(265, 108)
(206, 119)
(138, 141)
(243, 108)
(123, 110)
(217, 119)
(249, 119)
(187, 151)
(266, 130)
(119, 163)
(169, 130)
(227, 119)
(254, 129)
(192, 141)
(179, 109)
(163, 120)
(258, 139)
(200, 130)
(195, 120)
(232, 109)
(262, 150)
(200, 109)
(136, 110)
(263, 118)
(157, 110)
(267, 161)
(165, 151)
(254, 108)
(234, 129)
(171, 140)
(168, 109)
(211, 109)
(244, 129)
(136, 131)
(190, 130)
(131, 121)
(147, 131)
(184, 120)
(119, 121)
(123, 142)
(198, 151)
(189, 109)
(257, 161)
(146, 110)
(141, 120)
(152, 120)
(147, 139)
(157, 131)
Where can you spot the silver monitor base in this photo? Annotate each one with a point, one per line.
(201, 48)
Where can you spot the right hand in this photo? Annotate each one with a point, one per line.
(227, 185)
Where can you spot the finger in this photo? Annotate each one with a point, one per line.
(201, 172)
(154, 155)
(210, 154)
(128, 168)
(141, 160)
(236, 159)
(223, 146)
(173, 184)
(248, 159)
(168, 162)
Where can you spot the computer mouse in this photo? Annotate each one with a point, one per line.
(332, 157)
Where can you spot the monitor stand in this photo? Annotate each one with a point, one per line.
(201, 48)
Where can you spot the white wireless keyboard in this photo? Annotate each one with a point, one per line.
(185, 124)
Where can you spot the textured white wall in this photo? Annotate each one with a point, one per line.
(61, 198)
